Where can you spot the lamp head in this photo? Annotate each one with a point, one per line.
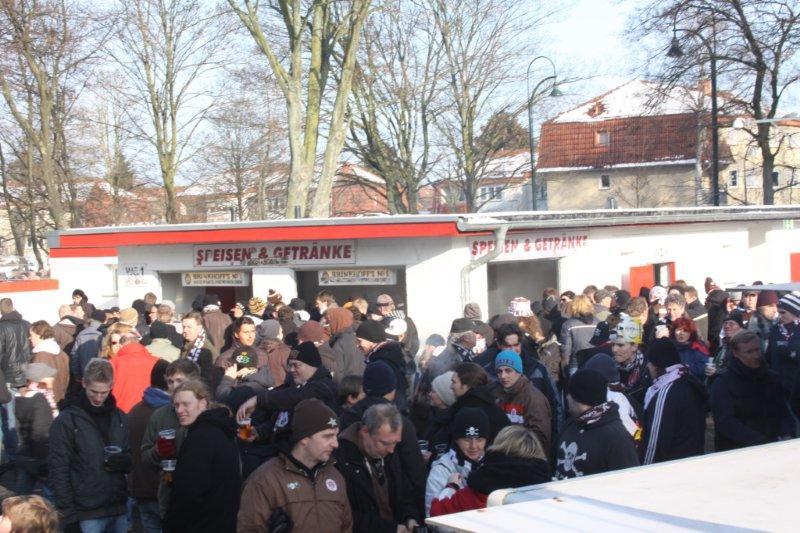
(675, 51)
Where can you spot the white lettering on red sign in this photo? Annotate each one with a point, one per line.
(284, 253)
(531, 245)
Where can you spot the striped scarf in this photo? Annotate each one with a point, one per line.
(194, 353)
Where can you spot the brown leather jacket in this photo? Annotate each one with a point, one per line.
(525, 404)
(216, 322)
(317, 505)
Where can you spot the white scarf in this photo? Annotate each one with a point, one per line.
(48, 346)
(673, 373)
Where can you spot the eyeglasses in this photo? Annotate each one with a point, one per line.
(383, 305)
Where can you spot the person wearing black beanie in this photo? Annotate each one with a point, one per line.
(594, 439)
(674, 407)
(275, 407)
(378, 379)
(372, 340)
(370, 333)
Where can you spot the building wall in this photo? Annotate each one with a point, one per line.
(631, 188)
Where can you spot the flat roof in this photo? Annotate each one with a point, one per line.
(401, 226)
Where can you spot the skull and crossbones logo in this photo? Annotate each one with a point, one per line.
(472, 431)
(570, 457)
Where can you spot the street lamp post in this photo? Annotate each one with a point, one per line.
(532, 141)
(675, 51)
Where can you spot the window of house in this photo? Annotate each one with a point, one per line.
(602, 138)
(490, 192)
(733, 179)
(605, 181)
(752, 179)
(776, 178)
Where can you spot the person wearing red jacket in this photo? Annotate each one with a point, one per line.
(516, 459)
(132, 367)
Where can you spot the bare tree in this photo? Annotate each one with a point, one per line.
(754, 43)
(483, 47)
(302, 59)
(44, 47)
(168, 51)
(394, 106)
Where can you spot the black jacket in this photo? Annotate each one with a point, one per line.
(715, 304)
(748, 407)
(483, 399)
(363, 502)
(411, 461)
(391, 352)
(783, 356)
(34, 418)
(499, 471)
(83, 488)
(207, 481)
(282, 400)
(675, 425)
(602, 445)
(15, 347)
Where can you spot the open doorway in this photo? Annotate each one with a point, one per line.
(508, 280)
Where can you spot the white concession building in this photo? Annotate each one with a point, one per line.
(433, 264)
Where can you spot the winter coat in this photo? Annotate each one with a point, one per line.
(277, 356)
(85, 348)
(595, 445)
(173, 337)
(391, 352)
(145, 477)
(748, 407)
(441, 470)
(64, 332)
(411, 460)
(715, 305)
(282, 400)
(483, 399)
(208, 354)
(349, 360)
(82, 487)
(635, 381)
(352, 464)
(496, 471)
(207, 482)
(227, 357)
(132, 367)
(216, 322)
(763, 326)
(675, 421)
(34, 417)
(784, 356)
(15, 348)
(693, 358)
(576, 334)
(162, 418)
(699, 314)
(164, 349)
(525, 404)
(315, 504)
(49, 353)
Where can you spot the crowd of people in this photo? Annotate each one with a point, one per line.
(335, 416)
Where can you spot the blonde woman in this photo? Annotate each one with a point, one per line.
(111, 340)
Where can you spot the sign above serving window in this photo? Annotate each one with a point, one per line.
(531, 245)
(358, 276)
(215, 279)
(277, 253)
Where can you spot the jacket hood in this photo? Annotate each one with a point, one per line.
(610, 414)
(716, 297)
(499, 471)
(477, 395)
(48, 346)
(362, 405)
(321, 373)
(78, 400)
(155, 398)
(219, 417)
(12, 316)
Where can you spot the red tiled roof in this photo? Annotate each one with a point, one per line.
(648, 139)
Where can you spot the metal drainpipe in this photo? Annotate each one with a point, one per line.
(500, 243)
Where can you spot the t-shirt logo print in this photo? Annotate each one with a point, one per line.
(472, 432)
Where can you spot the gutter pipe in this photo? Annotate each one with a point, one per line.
(500, 229)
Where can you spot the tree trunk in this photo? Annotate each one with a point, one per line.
(768, 164)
